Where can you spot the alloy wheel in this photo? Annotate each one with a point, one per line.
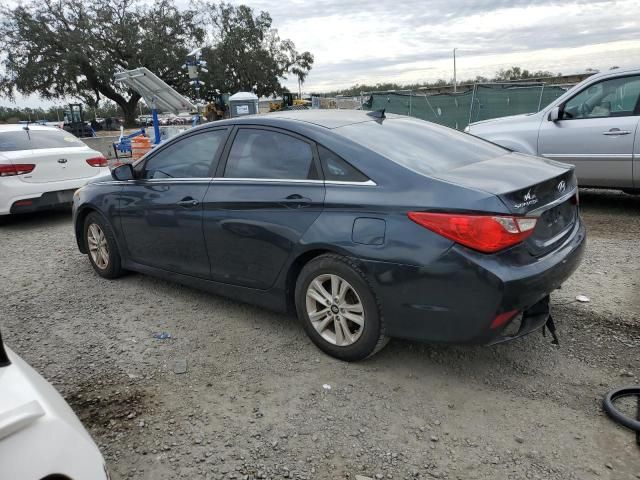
(98, 246)
(335, 309)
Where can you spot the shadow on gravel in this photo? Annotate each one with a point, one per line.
(35, 219)
(103, 410)
(608, 201)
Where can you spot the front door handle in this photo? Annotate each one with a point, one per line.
(616, 132)
(296, 200)
(188, 202)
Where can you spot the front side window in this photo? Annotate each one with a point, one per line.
(189, 157)
(617, 97)
(269, 155)
(34, 139)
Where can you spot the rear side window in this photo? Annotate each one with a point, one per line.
(188, 157)
(337, 169)
(423, 147)
(267, 154)
(37, 140)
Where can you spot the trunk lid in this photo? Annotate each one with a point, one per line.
(57, 164)
(528, 186)
(56, 154)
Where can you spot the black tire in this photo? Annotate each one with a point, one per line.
(113, 267)
(372, 337)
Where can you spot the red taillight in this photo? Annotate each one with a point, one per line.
(485, 233)
(503, 318)
(97, 161)
(16, 169)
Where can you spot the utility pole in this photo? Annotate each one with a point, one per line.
(455, 83)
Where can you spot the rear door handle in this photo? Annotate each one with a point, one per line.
(188, 202)
(616, 132)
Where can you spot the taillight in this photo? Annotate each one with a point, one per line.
(503, 318)
(485, 233)
(16, 169)
(97, 161)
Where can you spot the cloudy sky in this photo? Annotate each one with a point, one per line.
(370, 41)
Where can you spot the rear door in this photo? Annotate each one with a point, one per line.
(56, 154)
(265, 196)
(161, 211)
(596, 132)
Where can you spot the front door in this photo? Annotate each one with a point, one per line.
(596, 132)
(256, 212)
(161, 211)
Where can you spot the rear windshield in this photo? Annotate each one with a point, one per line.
(37, 140)
(420, 146)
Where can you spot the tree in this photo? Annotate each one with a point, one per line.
(302, 63)
(72, 48)
(247, 53)
(517, 73)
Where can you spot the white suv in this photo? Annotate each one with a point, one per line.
(41, 167)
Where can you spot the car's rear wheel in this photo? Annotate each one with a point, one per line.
(101, 246)
(338, 308)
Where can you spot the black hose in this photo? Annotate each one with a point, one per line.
(616, 415)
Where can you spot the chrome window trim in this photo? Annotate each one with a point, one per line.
(289, 180)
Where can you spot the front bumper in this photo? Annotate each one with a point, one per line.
(39, 433)
(455, 299)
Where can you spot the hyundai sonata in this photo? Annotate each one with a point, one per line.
(368, 226)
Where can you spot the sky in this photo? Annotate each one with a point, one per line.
(409, 41)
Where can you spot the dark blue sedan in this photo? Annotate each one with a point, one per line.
(368, 226)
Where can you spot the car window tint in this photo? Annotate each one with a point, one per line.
(37, 140)
(423, 147)
(337, 169)
(616, 97)
(266, 154)
(189, 157)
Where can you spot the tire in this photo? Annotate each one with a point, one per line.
(106, 261)
(319, 280)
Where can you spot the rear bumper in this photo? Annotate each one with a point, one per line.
(456, 299)
(13, 190)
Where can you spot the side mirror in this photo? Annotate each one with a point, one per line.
(123, 172)
(554, 114)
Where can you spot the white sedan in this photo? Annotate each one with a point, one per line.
(41, 167)
(40, 436)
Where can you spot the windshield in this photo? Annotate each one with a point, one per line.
(37, 140)
(423, 147)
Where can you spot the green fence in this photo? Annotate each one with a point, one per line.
(456, 110)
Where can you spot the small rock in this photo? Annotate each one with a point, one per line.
(609, 466)
(434, 438)
(362, 477)
(519, 439)
(180, 366)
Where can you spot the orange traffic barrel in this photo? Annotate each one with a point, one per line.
(139, 146)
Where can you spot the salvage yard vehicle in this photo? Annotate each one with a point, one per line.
(41, 167)
(40, 436)
(369, 226)
(593, 126)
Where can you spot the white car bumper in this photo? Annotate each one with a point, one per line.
(39, 433)
(12, 190)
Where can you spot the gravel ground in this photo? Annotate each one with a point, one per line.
(252, 403)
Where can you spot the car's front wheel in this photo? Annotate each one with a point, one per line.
(101, 246)
(338, 308)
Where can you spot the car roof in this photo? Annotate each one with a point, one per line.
(329, 119)
(15, 127)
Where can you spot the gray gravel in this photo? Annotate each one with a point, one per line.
(251, 403)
